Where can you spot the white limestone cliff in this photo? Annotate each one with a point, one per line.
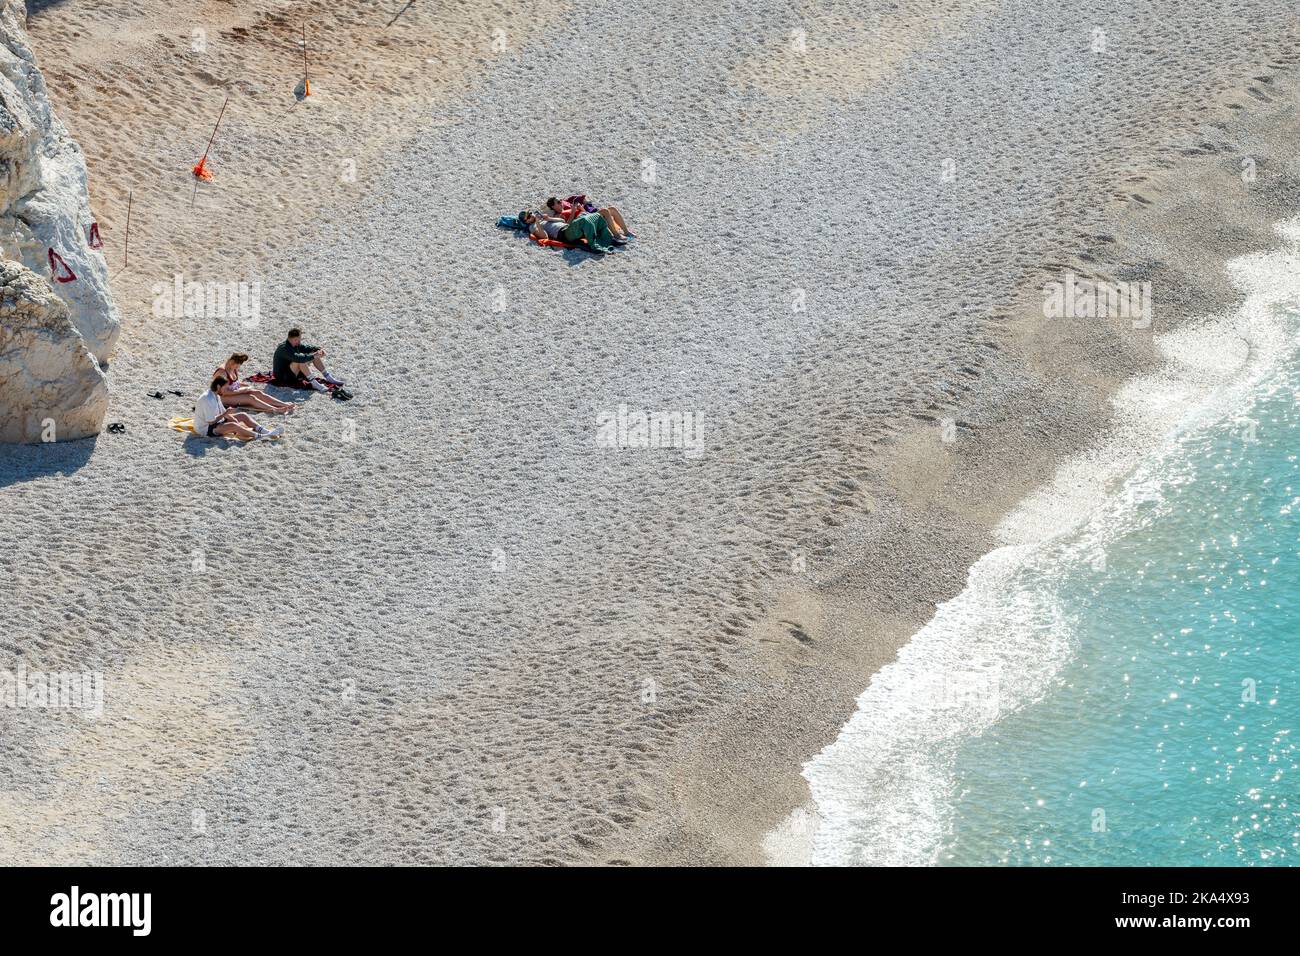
(51, 387)
(44, 204)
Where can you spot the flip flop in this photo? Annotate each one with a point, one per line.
(117, 428)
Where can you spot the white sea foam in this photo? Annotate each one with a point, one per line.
(882, 790)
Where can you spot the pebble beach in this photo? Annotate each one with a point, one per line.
(448, 622)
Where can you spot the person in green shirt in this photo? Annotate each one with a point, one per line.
(589, 230)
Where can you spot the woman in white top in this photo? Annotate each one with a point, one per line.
(213, 420)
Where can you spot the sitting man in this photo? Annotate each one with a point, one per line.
(213, 420)
(294, 362)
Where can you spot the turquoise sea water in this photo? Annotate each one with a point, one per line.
(1119, 681)
(1168, 737)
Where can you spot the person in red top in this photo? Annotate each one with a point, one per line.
(240, 393)
(573, 207)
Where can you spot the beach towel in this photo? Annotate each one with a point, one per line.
(503, 222)
(554, 243)
(266, 378)
(335, 390)
(187, 425)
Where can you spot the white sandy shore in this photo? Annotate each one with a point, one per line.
(439, 624)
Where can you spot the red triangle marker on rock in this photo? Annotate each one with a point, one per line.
(57, 264)
(95, 241)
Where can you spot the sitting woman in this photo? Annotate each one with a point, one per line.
(569, 209)
(242, 394)
(588, 230)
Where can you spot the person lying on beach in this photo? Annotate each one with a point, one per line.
(213, 420)
(294, 362)
(242, 394)
(569, 209)
(588, 230)
(582, 202)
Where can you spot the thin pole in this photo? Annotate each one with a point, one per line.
(214, 129)
(126, 243)
(305, 81)
(399, 13)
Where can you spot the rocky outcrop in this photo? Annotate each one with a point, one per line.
(44, 204)
(51, 387)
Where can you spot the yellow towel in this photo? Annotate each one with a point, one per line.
(187, 425)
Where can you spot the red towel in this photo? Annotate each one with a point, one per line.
(264, 378)
(553, 243)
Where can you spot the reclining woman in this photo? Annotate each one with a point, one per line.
(242, 394)
(588, 230)
(213, 420)
(569, 209)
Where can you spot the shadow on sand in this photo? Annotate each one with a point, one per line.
(573, 257)
(40, 6)
(197, 447)
(19, 463)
